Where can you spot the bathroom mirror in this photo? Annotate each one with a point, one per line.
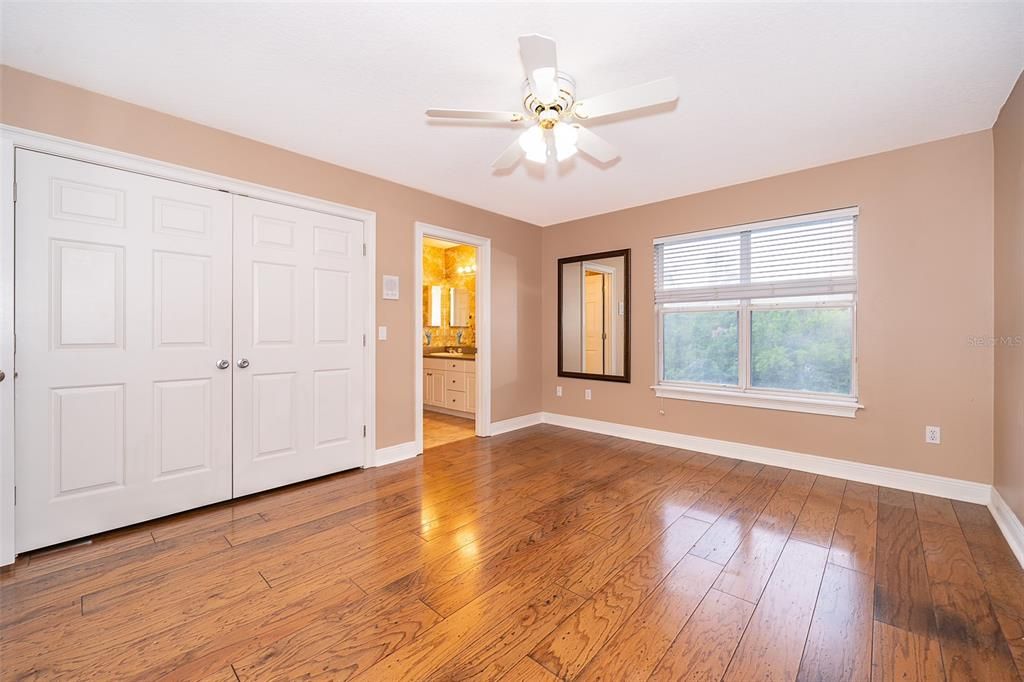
(460, 308)
(432, 306)
(593, 316)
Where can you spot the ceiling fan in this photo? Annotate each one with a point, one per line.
(550, 105)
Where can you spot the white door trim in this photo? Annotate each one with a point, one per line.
(483, 323)
(11, 138)
(7, 350)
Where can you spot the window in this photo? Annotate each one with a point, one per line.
(761, 315)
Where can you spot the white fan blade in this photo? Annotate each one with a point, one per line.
(509, 157)
(627, 99)
(474, 115)
(595, 146)
(541, 66)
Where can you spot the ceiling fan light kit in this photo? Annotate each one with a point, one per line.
(550, 105)
(537, 148)
(533, 144)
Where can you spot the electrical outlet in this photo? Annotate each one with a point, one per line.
(933, 435)
(586, 394)
(558, 391)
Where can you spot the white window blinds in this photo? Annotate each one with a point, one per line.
(801, 256)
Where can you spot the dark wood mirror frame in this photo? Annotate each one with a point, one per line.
(624, 378)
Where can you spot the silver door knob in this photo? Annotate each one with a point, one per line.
(223, 364)
(243, 363)
(2, 375)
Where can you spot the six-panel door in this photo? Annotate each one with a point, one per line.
(298, 328)
(131, 333)
(123, 310)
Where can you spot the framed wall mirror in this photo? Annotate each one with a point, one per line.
(593, 316)
(432, 305)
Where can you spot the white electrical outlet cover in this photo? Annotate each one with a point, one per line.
(586, 394)
(558, 391)
(933, 435)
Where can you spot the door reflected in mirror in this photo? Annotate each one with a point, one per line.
(459, 307)
(593, 316)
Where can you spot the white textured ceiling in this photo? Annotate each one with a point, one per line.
(765, 88)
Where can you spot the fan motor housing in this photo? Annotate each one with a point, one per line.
(561, 106)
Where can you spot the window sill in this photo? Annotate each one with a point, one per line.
(789, 403)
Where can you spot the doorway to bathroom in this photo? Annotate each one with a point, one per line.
(453, 341)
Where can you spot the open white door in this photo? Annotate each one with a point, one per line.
(123, 306)
(299, 360)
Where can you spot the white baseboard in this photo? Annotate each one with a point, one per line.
(912, 481)
(445, 410)
(1013, 529)
(395, 453)
(515, 423)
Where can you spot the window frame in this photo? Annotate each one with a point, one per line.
(744, 393)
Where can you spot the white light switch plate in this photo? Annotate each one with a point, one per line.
(382, 333)
(390, 287)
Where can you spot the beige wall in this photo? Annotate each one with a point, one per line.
(926, 287)
(925, 252)
(1008, 139)
(28, 101)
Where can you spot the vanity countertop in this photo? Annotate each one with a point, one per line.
(451, 356)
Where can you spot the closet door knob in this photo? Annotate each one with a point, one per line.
(223, 364)
(243, 363)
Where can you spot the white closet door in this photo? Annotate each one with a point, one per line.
(300, 367)
(123, 310)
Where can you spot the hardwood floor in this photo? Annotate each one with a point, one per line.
(540, 554)
(440, 428)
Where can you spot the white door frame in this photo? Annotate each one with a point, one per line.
(20, 138)
(483, 323)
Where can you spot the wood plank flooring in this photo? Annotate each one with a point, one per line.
(540, 554)
(440, 429)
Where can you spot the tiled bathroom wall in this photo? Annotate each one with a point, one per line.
(441, 266)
